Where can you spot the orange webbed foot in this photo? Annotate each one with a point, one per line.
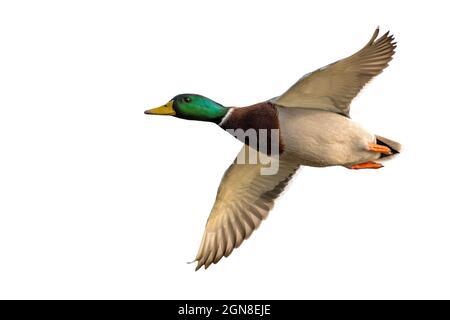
(367, 165)
(379, 148)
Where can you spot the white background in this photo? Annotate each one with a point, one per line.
(99, 200)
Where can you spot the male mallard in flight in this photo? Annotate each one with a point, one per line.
(315, 129)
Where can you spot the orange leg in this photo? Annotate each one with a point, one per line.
(379, 148)
(367, 165)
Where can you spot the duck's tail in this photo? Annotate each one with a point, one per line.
(394, 146)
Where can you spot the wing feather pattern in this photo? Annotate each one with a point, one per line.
(333, 87)
(243, 200)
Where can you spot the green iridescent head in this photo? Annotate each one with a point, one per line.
(192, 107)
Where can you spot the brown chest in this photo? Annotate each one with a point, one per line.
(257, 126)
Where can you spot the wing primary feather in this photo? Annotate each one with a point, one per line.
(243, 200)
(323, 89)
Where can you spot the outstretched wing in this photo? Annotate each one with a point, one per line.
(333, 87)
(243, 200)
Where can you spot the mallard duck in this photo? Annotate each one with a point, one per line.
(313, 128)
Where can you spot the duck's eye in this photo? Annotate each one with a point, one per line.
(187, 99)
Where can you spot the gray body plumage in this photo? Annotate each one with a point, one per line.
(320, 138)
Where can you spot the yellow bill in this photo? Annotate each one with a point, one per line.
(166, 109)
